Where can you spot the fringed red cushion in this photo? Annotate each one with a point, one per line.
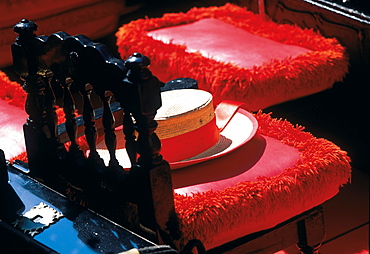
(260, 86)
(219, 216)
(288, 184)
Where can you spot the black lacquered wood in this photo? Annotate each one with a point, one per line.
(75, 63)
(30, 61)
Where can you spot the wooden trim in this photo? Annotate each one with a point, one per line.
(281, 236)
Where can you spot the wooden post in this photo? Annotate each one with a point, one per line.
(11, 205)
(311, 233)
(150, 172)
(42, 145)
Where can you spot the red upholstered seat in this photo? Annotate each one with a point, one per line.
(282, 172)
(236, 55)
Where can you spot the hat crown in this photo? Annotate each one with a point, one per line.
(183, 111)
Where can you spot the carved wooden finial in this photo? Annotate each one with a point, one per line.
(25, 28)
(144, 101)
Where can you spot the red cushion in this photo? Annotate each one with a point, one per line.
(262, 157)
(274, 63)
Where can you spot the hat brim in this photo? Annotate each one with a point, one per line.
(241, 128)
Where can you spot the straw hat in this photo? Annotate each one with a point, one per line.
(191, 130)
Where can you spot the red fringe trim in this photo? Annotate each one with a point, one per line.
(11, 91)
(316, 70)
